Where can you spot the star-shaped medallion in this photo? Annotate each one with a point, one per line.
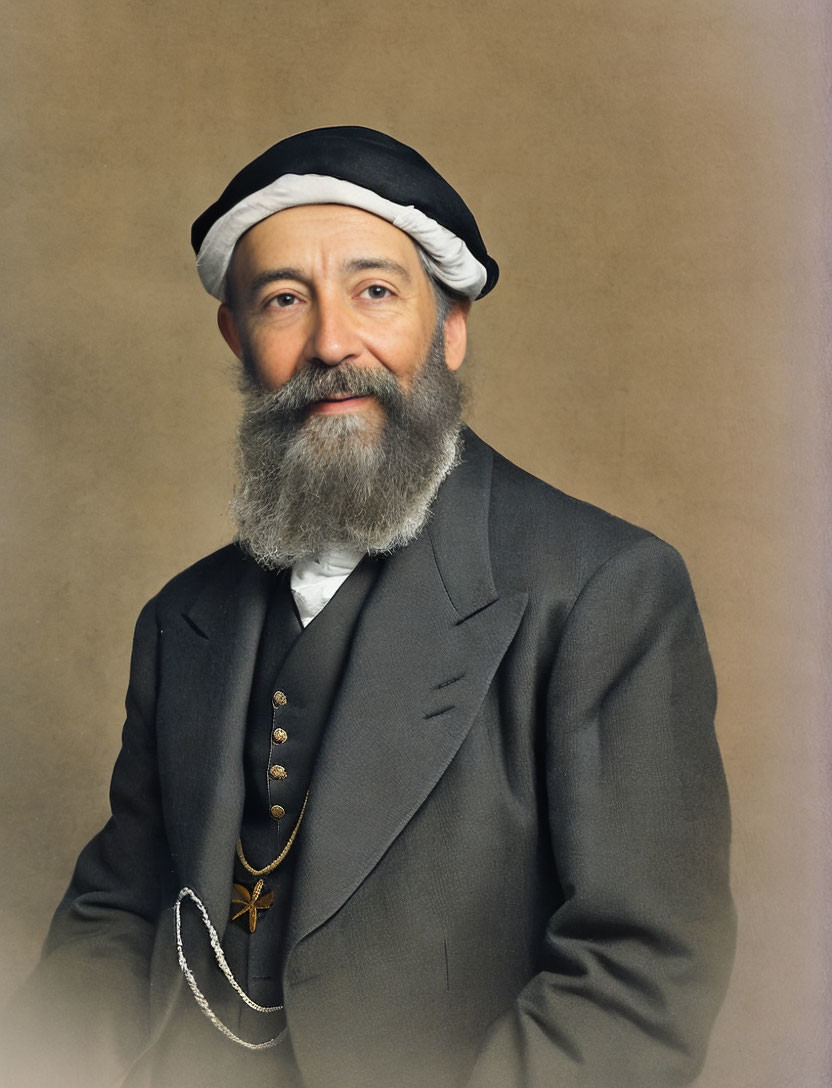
(251, 901)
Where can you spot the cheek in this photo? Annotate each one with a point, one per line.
(276, 357)
(404, 353)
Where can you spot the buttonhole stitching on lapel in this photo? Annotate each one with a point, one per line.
(436, 713)
(447, 683)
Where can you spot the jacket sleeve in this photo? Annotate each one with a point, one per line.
(635, 960)
(81, 1018)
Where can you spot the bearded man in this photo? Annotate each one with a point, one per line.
(419, 784)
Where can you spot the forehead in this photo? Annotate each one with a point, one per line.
(323, 235)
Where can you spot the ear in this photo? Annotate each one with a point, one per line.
(456, 333)
(228, 327)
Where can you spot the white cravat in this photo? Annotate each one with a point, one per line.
(314, 582)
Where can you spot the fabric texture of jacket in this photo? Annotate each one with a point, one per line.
(513, 869)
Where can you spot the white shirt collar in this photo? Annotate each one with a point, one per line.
(314, 582)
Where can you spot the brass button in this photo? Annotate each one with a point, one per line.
(279, 699)
(280, 736)
(276, 771)
(278, 811)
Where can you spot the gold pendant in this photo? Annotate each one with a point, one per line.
(251, 901)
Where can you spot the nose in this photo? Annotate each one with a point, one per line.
(333, 337)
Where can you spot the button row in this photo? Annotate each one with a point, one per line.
(277, 771)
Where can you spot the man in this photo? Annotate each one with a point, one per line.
(419, 784)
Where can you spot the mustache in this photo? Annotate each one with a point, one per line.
(318, 382)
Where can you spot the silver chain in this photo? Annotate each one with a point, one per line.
(199, 997)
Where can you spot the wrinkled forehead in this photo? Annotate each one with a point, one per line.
(335, 235)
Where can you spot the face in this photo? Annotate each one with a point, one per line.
(324, 284)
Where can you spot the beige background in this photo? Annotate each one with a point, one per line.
(650, 176)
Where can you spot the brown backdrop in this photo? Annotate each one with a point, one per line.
(650, 176)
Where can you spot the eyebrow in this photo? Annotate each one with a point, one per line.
(270, 275)
(355, 264)
(383, 264)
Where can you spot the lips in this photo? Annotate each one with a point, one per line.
(338, 402)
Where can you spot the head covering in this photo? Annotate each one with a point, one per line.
(365, 169)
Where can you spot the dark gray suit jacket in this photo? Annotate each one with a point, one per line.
(513, 867)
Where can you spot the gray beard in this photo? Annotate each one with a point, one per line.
(308, 484)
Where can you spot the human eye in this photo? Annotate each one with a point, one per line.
(282, 300)
(377, 291)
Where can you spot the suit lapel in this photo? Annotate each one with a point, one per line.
(211, 649)
(428, 643)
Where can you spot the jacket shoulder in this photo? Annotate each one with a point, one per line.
(224, 566)
(538, 530)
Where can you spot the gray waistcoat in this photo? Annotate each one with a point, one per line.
(296, 679)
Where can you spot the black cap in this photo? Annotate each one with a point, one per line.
(357, 166)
